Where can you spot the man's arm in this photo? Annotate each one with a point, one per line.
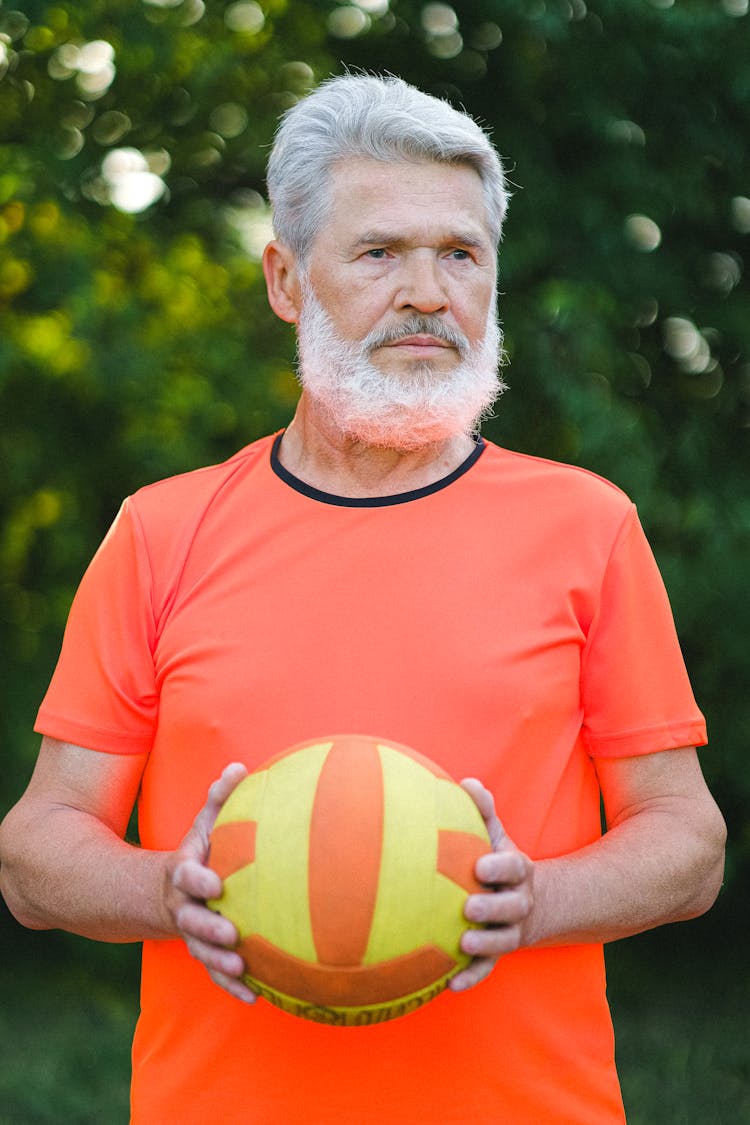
(660, 860)
(65, 865)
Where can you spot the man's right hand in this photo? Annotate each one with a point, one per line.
(209, 936)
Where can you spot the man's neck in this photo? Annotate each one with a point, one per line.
(321, 456)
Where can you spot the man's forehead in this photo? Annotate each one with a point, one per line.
(379, 201)
(351, 172)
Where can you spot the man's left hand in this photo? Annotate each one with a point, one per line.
(503, 909)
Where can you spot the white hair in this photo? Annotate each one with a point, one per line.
(383, 118)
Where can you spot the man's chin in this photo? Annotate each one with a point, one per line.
(437, 364)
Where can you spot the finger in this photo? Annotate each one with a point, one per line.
(491, 944)
(235, 987)
(230, 778)
(227, 962)
(218, 793)
(485, 802)
(196, 880)
(502, 869)
(477, 971)
(197, 922)
(503, 908)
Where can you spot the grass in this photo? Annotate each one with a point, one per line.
(67, 1013)
(685, 1066)
(68, 1007)
(65, 1057)
(680, 1000)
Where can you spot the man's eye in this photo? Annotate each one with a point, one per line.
(460, 255)
(377, 252)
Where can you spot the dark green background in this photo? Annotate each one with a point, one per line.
(135, 345)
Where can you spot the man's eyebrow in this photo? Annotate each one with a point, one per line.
(385, 237)
(377, 238)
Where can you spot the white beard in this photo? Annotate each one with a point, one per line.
(395, 411)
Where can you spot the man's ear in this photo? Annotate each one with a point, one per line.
(282, 281)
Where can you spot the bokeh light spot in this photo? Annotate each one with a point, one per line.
(739, 210)
(245, 16)
(229, 119)
(446, 46)
(486, 37)
(250, 218)
(440, 23)
(439, 19)
(647, 313)
(722, 271)
(348, 22)
(373, 7)
(131, 185)
(642, 232)
(15, 277)
(78, 115)
(15, 25)
(626, 132)
(111, 127)
(192, 12)
(92, 64)
(68, 142)
(39, 38)
(94, 57)
(686, 345)
(298, 77)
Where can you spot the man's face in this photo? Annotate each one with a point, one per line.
(397, 331)
(404, 239)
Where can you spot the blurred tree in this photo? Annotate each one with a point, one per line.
(135, 336)
(135, 340)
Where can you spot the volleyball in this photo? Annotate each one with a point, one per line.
(346, 863)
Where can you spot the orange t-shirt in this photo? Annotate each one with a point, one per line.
(508, 622)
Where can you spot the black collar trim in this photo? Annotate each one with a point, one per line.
(369, 501)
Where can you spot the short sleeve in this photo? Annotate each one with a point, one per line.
(103, 694)
(636, 694)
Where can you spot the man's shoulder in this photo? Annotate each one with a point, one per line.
(549, 480)
(173, 497)
(168, 514)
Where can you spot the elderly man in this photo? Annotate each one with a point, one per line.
(376, 567)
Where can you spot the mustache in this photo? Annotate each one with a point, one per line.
(416, 326)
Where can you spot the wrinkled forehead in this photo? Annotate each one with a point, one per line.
(410, 195)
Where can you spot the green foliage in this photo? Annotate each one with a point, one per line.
(133, 345)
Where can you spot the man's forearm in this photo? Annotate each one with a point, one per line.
(643, 873)
(661, 860)
(68, 871)
(63, 866)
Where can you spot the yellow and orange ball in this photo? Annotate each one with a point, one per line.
(346, 864)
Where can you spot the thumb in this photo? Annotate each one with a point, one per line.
(485, 802)
(197, 838)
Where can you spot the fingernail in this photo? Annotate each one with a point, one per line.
(484, 868)
(474, 913)
(471, 943)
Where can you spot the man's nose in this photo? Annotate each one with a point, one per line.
(421, 286)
